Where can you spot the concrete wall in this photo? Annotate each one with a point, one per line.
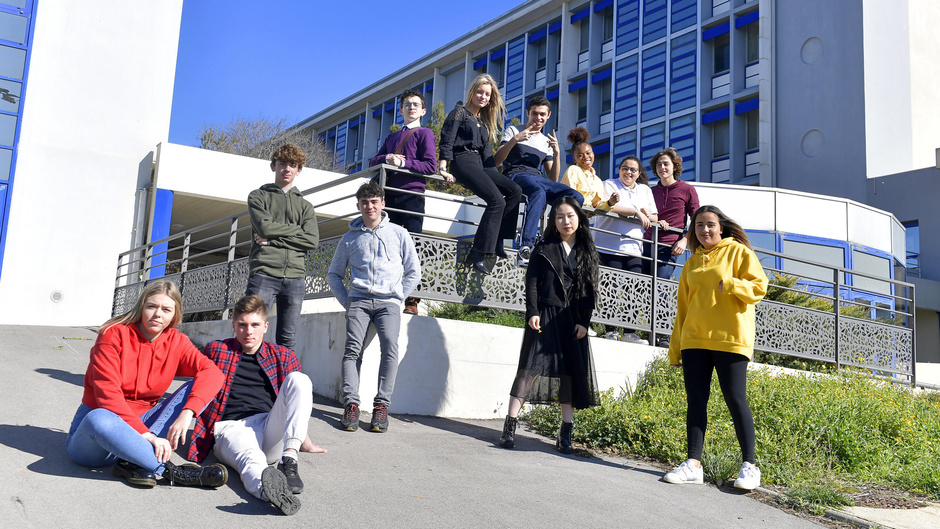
(820, 97)
(447, 368)
(98, 100)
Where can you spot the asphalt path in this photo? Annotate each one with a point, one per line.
(425, 472)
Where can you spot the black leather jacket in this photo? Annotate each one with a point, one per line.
(543, 284)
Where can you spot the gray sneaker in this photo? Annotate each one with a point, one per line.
(612, 335)
(277, 491)
(350, 420)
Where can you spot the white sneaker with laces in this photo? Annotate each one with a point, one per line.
(748, 477)
(686, 473)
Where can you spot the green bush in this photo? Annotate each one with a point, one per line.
(817, 436)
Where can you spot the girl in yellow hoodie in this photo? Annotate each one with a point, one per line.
(714, 330)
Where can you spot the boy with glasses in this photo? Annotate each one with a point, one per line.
(412, 148)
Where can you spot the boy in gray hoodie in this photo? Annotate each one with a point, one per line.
(384, 267)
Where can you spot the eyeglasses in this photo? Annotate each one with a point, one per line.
(630, 169)
(411, 105)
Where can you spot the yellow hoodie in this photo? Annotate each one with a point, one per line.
(719, 321)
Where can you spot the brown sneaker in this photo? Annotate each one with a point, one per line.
(411, 306)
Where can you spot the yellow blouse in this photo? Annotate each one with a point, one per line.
(588, 184)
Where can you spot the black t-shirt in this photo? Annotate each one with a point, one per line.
(251, 392)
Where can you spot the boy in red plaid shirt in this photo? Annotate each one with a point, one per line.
(265, 396)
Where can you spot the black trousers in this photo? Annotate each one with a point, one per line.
(415, 203)
(500, 193)
(697, 366)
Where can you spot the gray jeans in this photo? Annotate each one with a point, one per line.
(386, 316)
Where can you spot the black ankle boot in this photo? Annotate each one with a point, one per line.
(563, 443)
(134, 474)
(477, 260)
(508, 439)
(501, 251)
(193, 475)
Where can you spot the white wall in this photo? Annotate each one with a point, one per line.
(97, 100)
(447, 368)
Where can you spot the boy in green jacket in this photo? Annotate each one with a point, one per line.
(284, 227)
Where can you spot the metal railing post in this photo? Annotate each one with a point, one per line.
(233, 236)
(654, 273)
(837, 305)
(184, 266)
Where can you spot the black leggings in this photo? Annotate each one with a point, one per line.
(697, 365)
(500, 193)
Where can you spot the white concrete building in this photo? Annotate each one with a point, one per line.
(91, 85)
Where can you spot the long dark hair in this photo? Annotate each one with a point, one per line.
(642, 177)
(585, 281)
(729, 228)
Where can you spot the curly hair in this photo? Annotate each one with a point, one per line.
(577, 136)
(289, 153)
(674, 156)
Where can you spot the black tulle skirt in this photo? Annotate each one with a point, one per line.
(556, 363)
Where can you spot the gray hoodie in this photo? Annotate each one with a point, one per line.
(382, 261)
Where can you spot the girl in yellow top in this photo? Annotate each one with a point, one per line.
(582, 177)
(714, 330)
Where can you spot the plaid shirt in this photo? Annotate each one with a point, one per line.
(276, 361)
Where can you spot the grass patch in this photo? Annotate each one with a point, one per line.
(819, 438)
(458, 311)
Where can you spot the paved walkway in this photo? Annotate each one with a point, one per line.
(425, 472)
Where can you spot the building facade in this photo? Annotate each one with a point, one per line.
(802, 95)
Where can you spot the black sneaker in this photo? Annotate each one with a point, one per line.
(522, 257)
(289, 467)
(350, 420)
(135, 475)
(277, 491)
(379, 418)
(662, 341)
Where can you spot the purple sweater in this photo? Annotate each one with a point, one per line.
(420, 157)
(674, 203)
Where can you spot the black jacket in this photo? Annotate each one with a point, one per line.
(543, 284)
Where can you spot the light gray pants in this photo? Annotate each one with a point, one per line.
(249, 445)
(386, 316)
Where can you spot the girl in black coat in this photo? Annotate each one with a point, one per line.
(555, 364)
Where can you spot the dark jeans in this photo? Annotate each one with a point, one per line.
(412, 223)
(500, 193)
(665, 261)
(289, 294)
(697, 366)
(539, 191)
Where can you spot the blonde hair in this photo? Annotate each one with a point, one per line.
(494, 112)
(133, 316)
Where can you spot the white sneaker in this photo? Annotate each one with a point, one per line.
(632, 337)
(523, 256)
(686, 473)
(612, 335)
(748, 477)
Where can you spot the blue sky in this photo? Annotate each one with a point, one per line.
(293, 58)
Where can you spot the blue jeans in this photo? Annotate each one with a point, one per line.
(289, 294)
(665, 261)
(387, 319)
(539, 191)
(100, 437)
